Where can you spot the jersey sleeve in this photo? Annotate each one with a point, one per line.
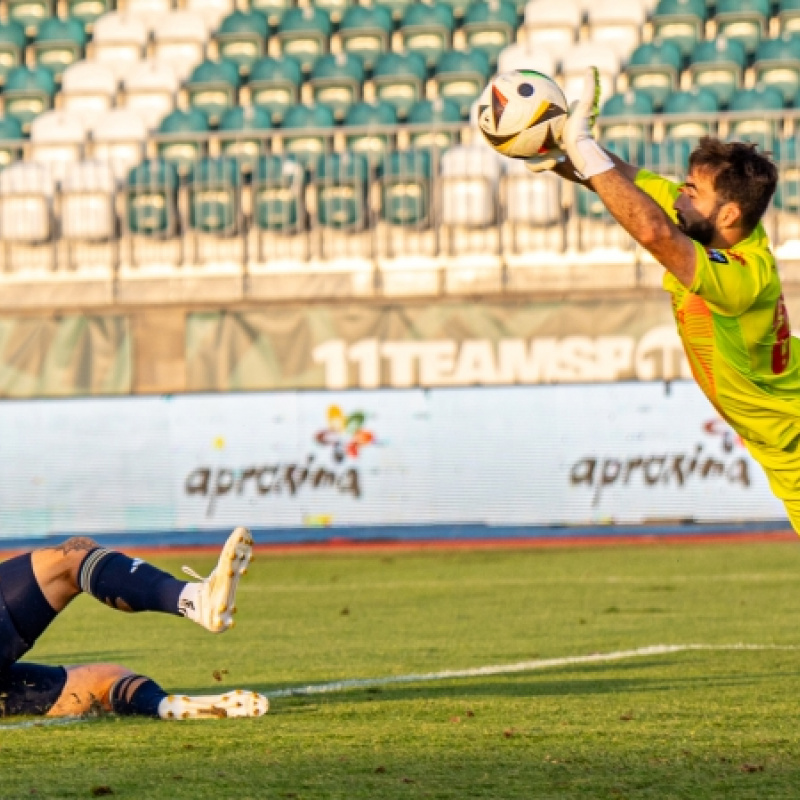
(664, 192)
(729, 280)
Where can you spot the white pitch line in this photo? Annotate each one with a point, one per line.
(521, 666)
(46, 722)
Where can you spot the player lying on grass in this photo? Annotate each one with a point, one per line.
(726, 293)
(36, 586)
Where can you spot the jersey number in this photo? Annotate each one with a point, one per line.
(782, 349)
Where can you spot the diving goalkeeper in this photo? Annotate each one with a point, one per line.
(726, 292)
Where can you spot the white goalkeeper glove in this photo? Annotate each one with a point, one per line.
(588, 158)
(547, 161)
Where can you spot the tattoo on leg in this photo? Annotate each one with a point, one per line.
(75, 544)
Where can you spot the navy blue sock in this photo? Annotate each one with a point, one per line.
(26, 605)
(129, 584)
(136, 695)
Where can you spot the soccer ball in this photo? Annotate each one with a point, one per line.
(521, 113)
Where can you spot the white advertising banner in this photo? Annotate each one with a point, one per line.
(506, 456)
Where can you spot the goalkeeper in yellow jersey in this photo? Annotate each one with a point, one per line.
(721, 273)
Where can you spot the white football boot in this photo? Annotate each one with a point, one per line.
(237, 703)
(212, 602)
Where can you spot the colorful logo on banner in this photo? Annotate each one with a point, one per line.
(345, 435)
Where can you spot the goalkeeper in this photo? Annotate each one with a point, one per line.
(721, 274)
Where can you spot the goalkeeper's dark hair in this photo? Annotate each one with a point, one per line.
(741, 175)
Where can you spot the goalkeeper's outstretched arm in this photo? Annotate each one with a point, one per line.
(566, 170)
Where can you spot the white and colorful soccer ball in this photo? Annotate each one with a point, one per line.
(522, 113)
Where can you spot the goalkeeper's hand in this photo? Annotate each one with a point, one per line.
(546, 161)
(588, 158)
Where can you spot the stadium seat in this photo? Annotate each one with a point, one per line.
(789, 16)
(427, 29)
(777, 64)
(10, 135)
(57, 139)
(179, 40)
(237, 121)
(336, 82)
(681, 22)
(88, 88)
(303, 34)
(365, 32)
(186, 138)
(763, 131)
(622, 134)
(278, 186)
(654, 69)
(26, 194)
(151, 195)
(787, 195)
(150, 89)
(743, 21)
(669, 158)
(87, 202)
(340, 182)
(685, 105)
(617, 24)
(435, 119)
(27, 93)
(29, 13)
(214, 196)
(118, 138)
(581, 56)
(59, 43)
(373, 145)
(469, 180)
(718, 66)
(273, 10)
(149, 11)
(528, 199)
(274, 85)
(87, 12)
(406, 188)
(396, 7)
(490, 26)
(460, 77)
(336, 9)
(521, 56)
(399, 79)
(12, 47)
(212, 11)
(118, 42)
(552, 26)
(242, 38)
(306, 148)
(213, 88)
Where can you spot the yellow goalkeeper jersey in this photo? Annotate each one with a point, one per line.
(735, 330)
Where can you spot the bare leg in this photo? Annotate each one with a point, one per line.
(87, 688)
(56, 570)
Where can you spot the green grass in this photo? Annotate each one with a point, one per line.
(684, 725)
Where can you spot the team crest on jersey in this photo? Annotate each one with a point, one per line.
(717, 256)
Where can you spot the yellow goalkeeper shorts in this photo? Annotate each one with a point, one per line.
(782, 468)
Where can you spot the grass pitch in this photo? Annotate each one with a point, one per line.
(721, 724)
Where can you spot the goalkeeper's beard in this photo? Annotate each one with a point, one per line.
(701, 230)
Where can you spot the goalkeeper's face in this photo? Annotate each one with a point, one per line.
(698, 207)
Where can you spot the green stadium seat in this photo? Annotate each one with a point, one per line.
(787, 195)
(630, 150)
(461, 76)
(242, 38)
(304, 146)
(12, 47)
(744, 21)
(238, 121)
(213, 87)
(151, 194)
(684, 105)
(214, 196)
(681, 22)
(273, 10)
(27, 93)
(278, 187)
(373, 145)
(621, 133)
(764, 132)
(10, 133)
(669, 158)
(427, 29)
(186, 143)
(777, 64)
(274, 85)
(59, 43)
(460, 7)
(366, 32)
(436, 119)
(336, 82)
(490, 26)
(654, 69)
(87, 12)
(395, 7)
(399, 79)
(303, 34)
(718, 66)
(406, 188)
(29, 13)
(340, 182)
(789, 16)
